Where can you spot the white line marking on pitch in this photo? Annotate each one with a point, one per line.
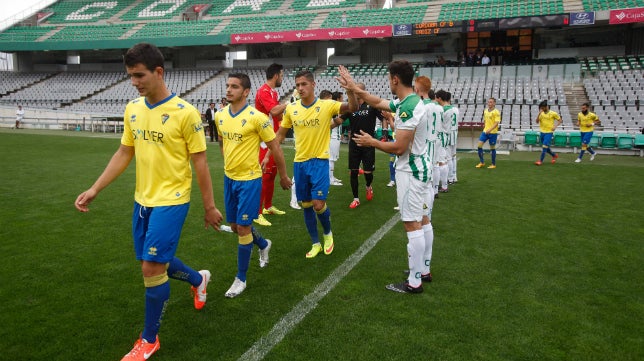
(265, 344)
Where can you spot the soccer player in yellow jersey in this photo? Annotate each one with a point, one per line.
(492, 119)
(242, 128)
(586, 121)
(311, 118)
(546, 120)
(163, 133)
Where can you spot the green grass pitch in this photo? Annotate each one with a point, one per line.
(530, 263)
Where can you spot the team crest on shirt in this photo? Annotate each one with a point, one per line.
(243, 122)
(181, 106)
(295, 112)
(317, 109)
(164, 118)
(133, 118)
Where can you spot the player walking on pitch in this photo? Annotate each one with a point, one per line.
(311, 119)
(242, 128)
(163, 133)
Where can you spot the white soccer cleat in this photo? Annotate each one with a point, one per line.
(263, 254)
(236, 289)
(391, 184)
(592, 156)
(294, 205)
(578, 160)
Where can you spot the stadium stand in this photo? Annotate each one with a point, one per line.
(374, 17)
(152, 10)
(24, 33)
(13, 81)
(467, 10)
(256, 7)
(268, 23)
(596, 5)
(324, 4)
(175, 29)
(90, 32)
(75, 11)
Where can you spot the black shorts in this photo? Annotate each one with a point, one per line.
(366, 155)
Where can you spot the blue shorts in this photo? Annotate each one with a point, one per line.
(156, 231)
(546, 139)
(488, 137)
(242, 200)
(586, 137)
(311, 179)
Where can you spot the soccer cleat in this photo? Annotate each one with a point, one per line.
(369, 193)
(443, 190)
(480, 165)
(315, 249)
(554, 158)
(538, 162)
(404, 287)
(262, 221)
(578, 160)
(336, 182)
(142, 350)
(236, 289)
(492, 166)
(424, 278)
(328, 243)
(396, 208)
(592, 156)
(272, 210)
(354, 204)
(450, 182)
(294, 205)
(391, 184)
(263, 254)
(199, 293)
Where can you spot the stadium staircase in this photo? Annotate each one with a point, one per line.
(576, 96)
(571, 6)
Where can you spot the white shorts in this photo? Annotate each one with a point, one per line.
(415, 198)
(334, 150)
(442, 154)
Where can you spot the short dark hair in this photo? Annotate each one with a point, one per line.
(336, 96)
(403, 70)
(146, 54)
(586, 105)
(326, 94)
(543, 104)
(305, 73)
(431, 95)
(273, 70)
(243, 78)
(444, 95)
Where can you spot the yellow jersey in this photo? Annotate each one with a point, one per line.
(491, 117)
(241, 134)
(311, 126)
(163, 136)
(587, 122)
(547, 121)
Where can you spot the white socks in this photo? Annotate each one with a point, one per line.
(415, 251)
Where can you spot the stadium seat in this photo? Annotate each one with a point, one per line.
(624, 141)
(560, 139)
(574, 139)
(531, 137)
(594, 141)
(608, 140)
(639, 141)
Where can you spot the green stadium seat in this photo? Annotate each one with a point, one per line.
(608, 140)
(574, 139)
(560, 139)
(531, 137)
(594, 140)
(639, 141)
(624, 141)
